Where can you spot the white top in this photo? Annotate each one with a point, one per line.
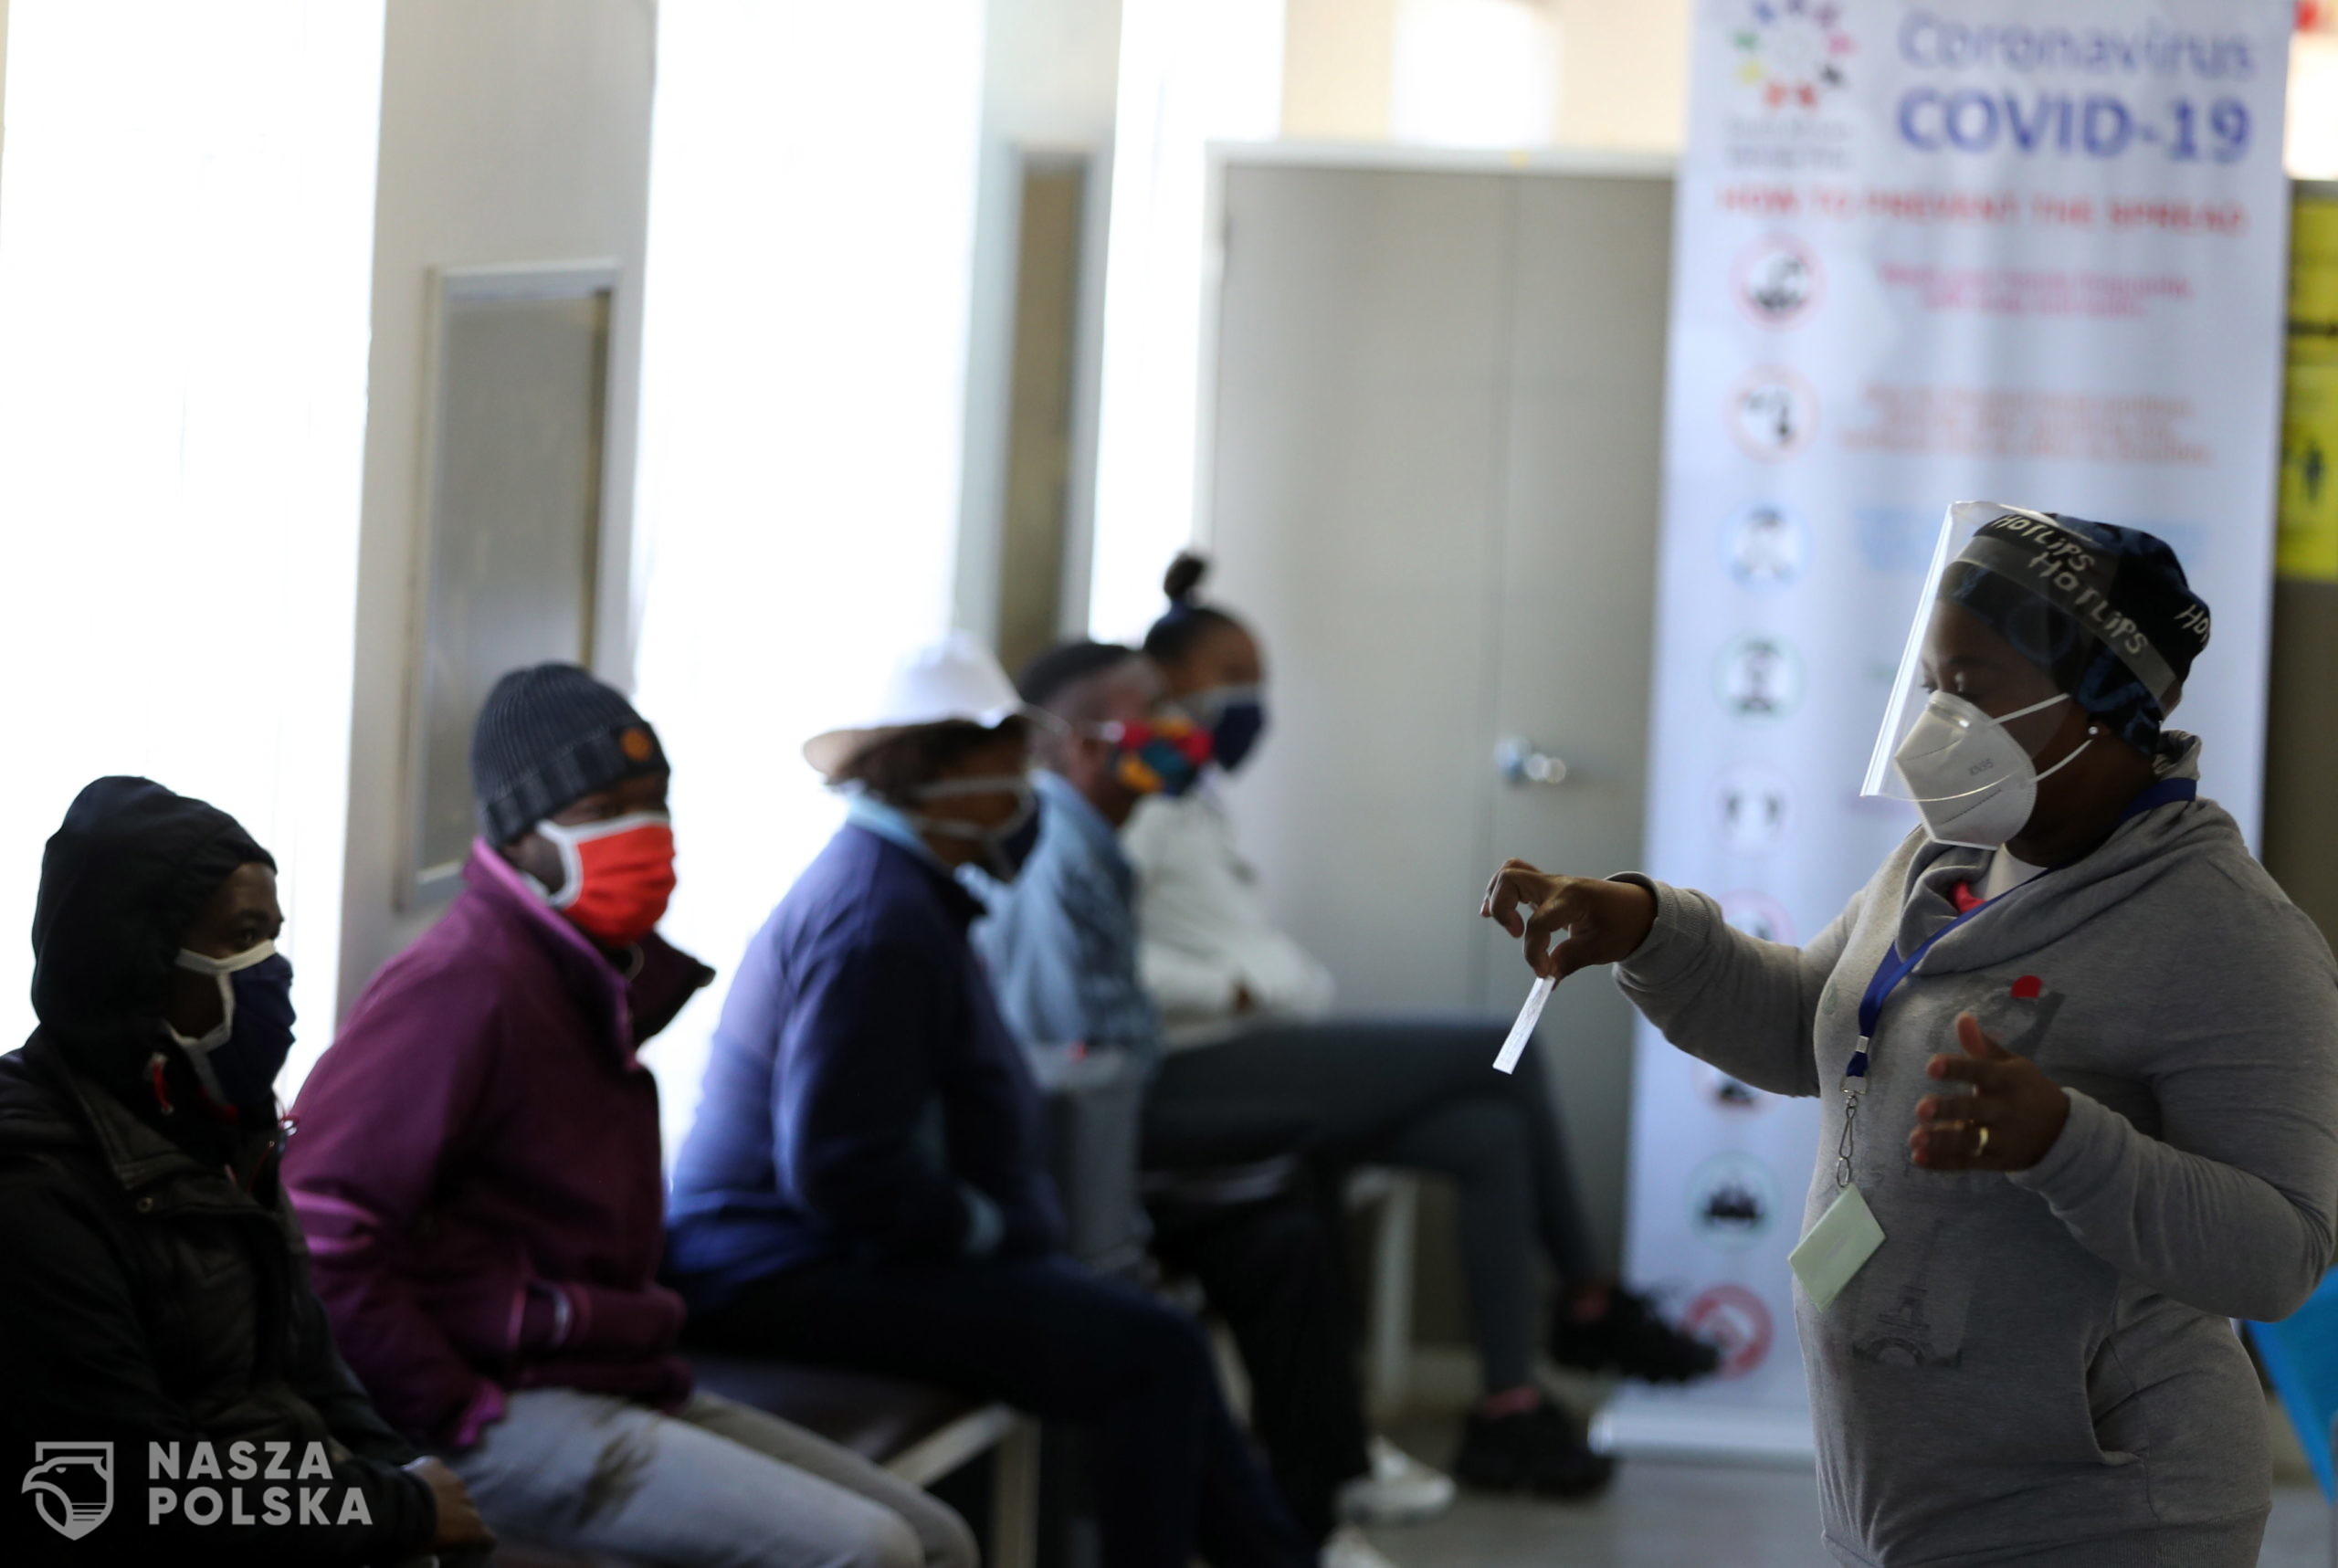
(1204, 932)
(2005, 873)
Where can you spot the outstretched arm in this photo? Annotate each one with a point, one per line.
(1746, 1005)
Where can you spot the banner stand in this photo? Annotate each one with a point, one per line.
(2023, 251)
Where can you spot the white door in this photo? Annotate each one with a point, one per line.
(1434, 488)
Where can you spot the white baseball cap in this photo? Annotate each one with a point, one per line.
(955, 679)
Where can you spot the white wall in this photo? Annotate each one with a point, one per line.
(512, 131)
(1337, 60)
(1050, 70)
(4, 80)
(1622, 68)
(1624, 73)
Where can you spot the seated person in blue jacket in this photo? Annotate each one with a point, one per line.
(1062, 946)
(479, 1172)
(157, 1293)
(865, 1187)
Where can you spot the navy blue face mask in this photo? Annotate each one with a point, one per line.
(1234, 716)
(238, 1060)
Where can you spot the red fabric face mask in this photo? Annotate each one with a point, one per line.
(617, 876)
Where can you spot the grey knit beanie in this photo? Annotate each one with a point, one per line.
(547, 737)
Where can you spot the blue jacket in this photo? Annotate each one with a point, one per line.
(863, 1099)
(1061, 940)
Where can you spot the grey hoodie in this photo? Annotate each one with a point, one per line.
(2036, 1368)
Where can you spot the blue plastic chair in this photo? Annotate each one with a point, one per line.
(2300, 1355)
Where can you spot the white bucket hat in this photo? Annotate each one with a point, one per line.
(955, 679)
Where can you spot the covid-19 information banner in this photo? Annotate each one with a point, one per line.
(2028, 251)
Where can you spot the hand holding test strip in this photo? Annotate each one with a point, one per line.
(1564, 923)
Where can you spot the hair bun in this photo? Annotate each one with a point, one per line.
(1184, 577)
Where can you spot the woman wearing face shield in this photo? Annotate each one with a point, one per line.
(866, 1183)
(2078, 1058)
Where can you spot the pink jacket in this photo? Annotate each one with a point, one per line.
(476, 1165)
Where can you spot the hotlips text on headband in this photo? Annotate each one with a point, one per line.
(616, 877)
(2101, 610)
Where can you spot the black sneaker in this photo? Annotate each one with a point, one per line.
(1630, 1339)
(1539, 1450)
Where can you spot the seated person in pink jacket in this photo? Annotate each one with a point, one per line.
(478, 1171)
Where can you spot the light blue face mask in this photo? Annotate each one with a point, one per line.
(1005, 845)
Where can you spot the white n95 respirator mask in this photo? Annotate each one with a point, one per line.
(1971, 781)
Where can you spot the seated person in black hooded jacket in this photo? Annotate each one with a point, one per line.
(153, 1284)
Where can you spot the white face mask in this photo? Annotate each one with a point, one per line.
(1973, 781)
(219, 969)
(1005, 845)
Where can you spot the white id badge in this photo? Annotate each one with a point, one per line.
(1845, 1237)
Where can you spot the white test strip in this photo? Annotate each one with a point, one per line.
(1523, 1030)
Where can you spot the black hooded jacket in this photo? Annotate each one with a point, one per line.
(148, 1294)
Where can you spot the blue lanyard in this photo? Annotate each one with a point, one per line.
(1895, 969)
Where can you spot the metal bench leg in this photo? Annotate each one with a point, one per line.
(1015, 1497)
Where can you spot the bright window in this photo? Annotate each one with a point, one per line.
(185, 270)
(1192, 72)
(811, 222)
(2312, 142)
(1475, 73)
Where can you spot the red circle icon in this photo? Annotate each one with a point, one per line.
(1735, 1319)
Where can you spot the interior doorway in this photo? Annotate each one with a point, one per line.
(1433, 482)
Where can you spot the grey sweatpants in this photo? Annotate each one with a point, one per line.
(715, 1485)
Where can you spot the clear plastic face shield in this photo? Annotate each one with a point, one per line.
(1975, 707)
